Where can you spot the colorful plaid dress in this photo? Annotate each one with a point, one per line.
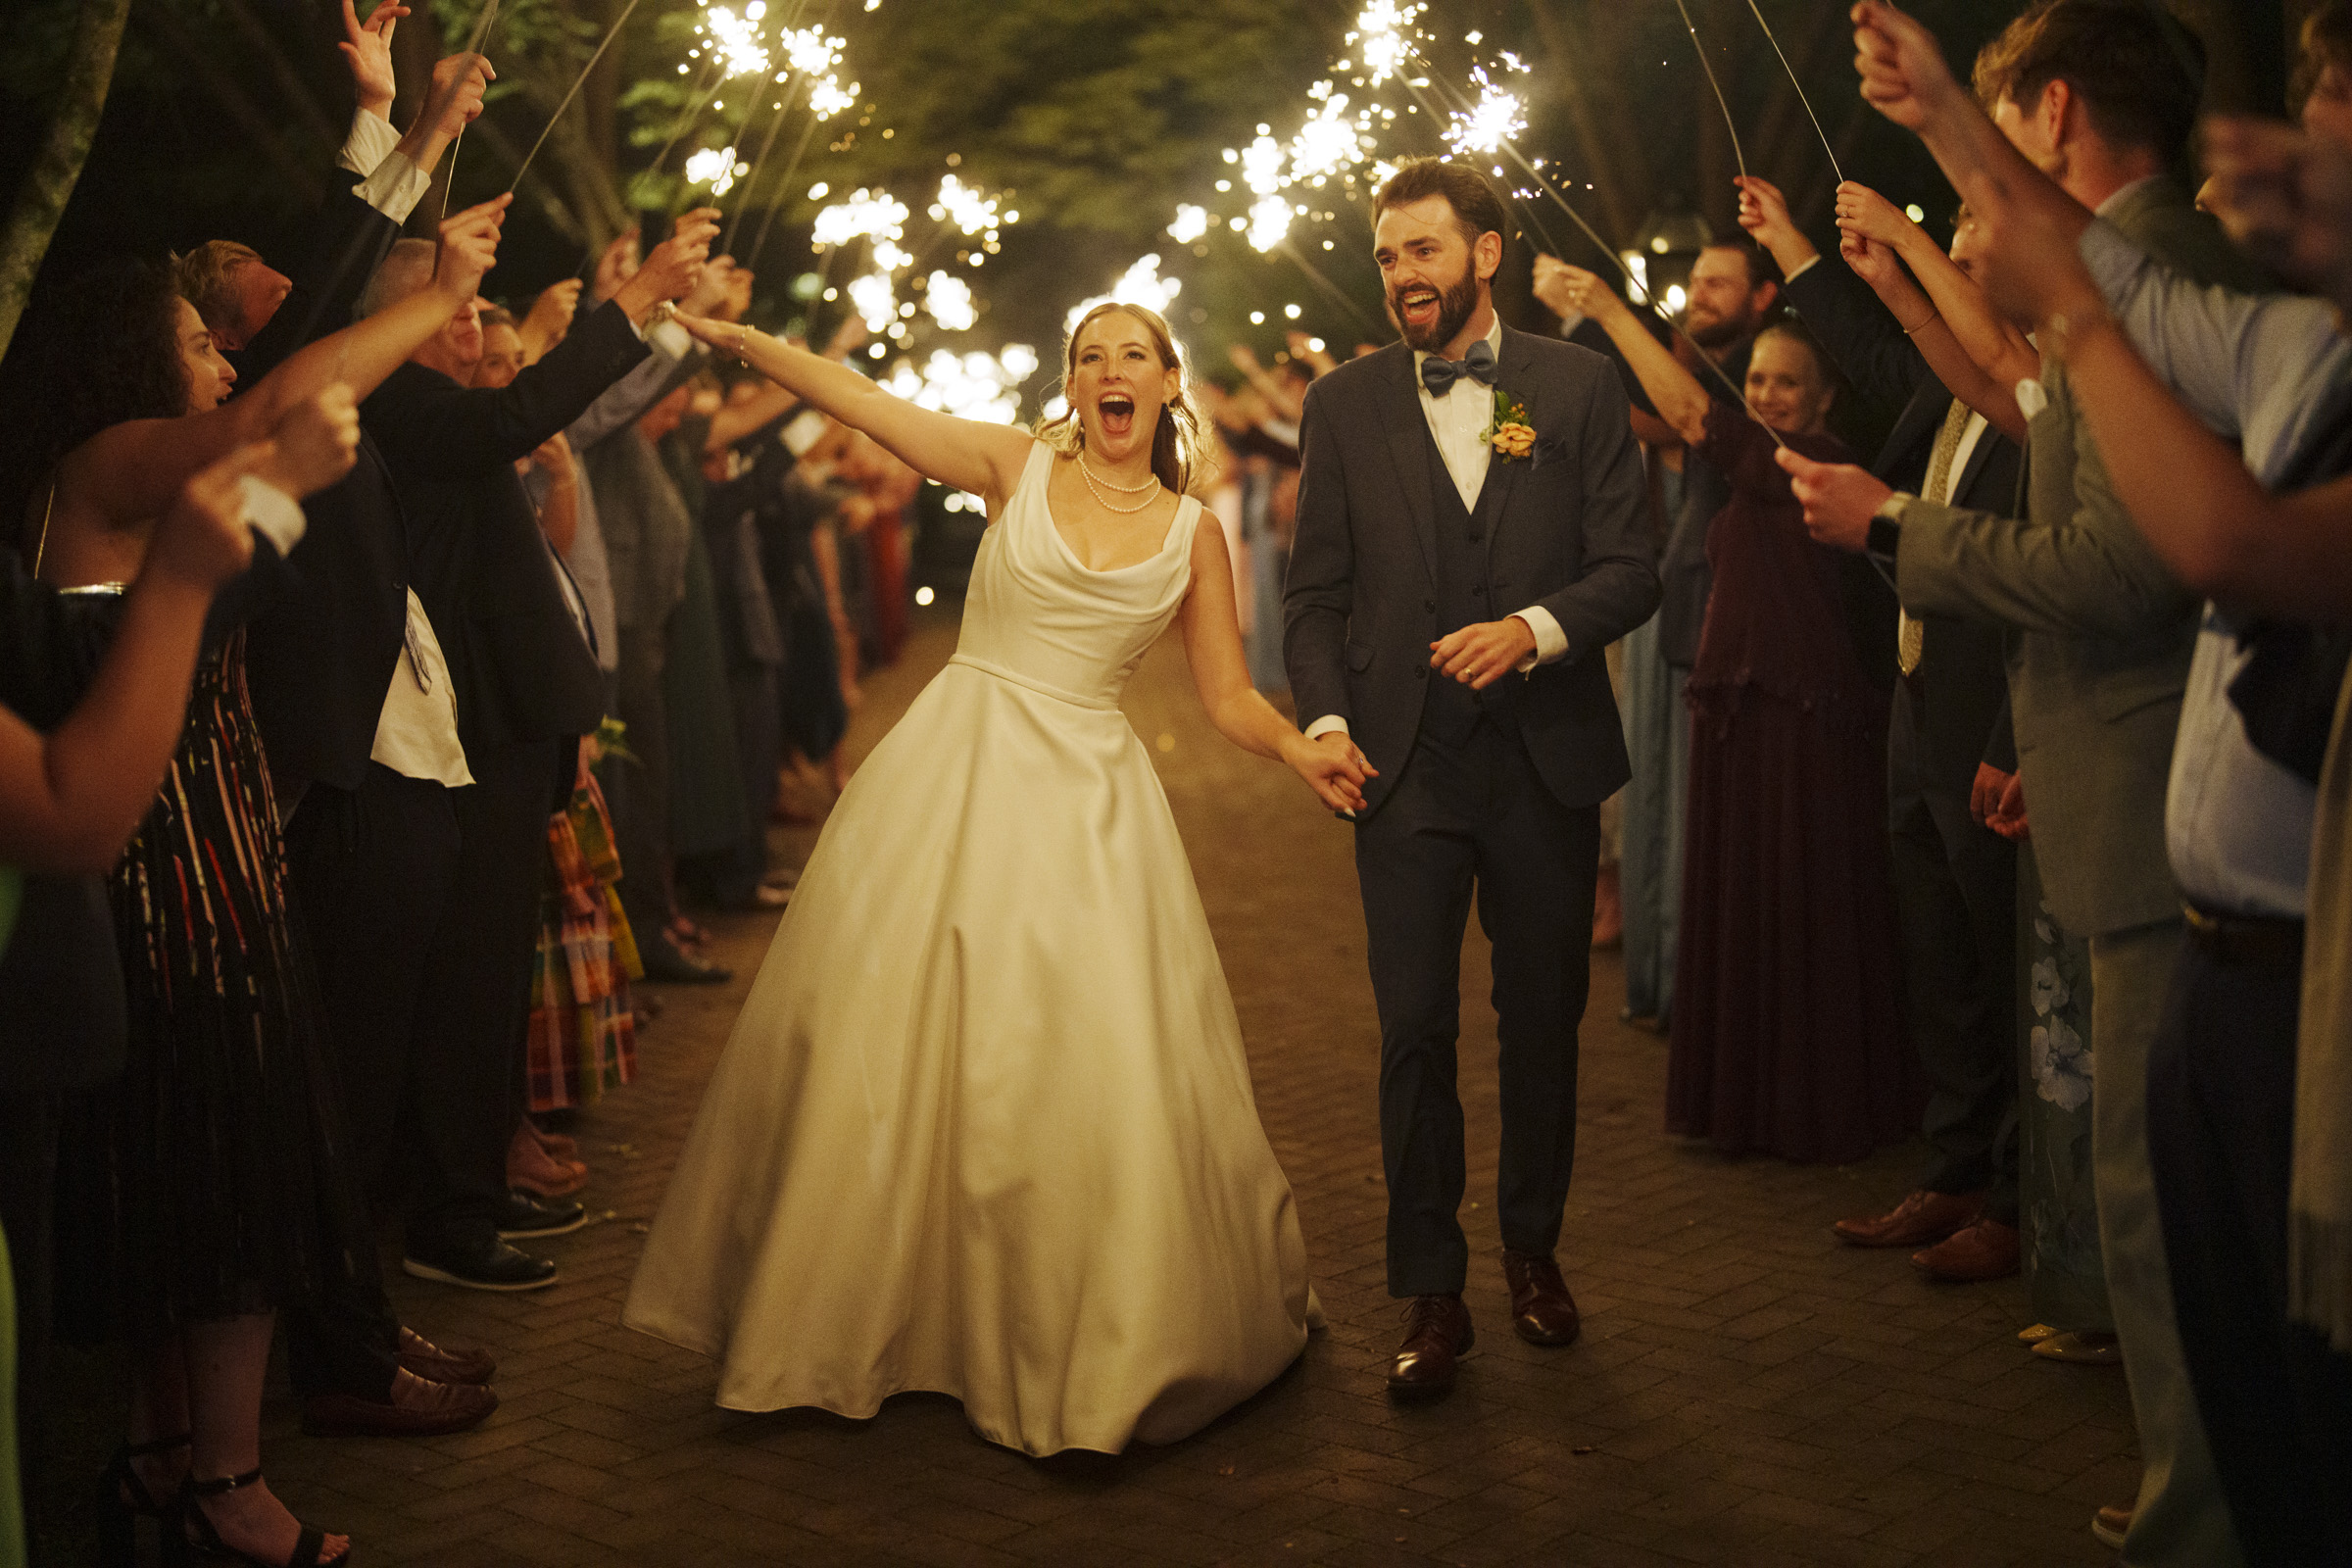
(583, 1032)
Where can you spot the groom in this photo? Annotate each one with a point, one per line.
(1470, 538)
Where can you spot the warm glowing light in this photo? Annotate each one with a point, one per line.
(1190, 223)
(873, 298)
(1494, 119)
(872, 213)
(948, 299)
(922, 595)
(1269, 222)
(736, 41)
(1383, 37)
(715, 167)
(1141, 284)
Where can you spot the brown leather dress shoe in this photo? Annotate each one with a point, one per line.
(1437, 1334)
(428, 1360)
(416, 1409)
(1921, 1219)
(1985, 1251)
(1541, 1309)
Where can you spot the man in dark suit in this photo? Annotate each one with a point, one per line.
(1471, 536)
(524, 687)
(1955, 879)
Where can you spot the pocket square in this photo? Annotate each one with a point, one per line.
(1551, 449)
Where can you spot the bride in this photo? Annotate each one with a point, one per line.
(985, 1125)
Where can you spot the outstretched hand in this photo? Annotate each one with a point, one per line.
(674, 268)
(1904, 74)
(1764, 214)
(470, 248)
(367, 48)
(1871, 262)
(1864, 212)
(1567, 291)
(1839, 499)
(315, 442)
(1333, 769)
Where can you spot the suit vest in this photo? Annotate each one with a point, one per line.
(1465, 597)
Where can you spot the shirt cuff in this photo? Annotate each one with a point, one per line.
(670, 338)
(396, 187)
(1329, 723)
(1801, 268)
(1551, 643)
(370, 143)
(272, 513)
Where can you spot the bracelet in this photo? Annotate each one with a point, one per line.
(743, 330)
(1910, 332)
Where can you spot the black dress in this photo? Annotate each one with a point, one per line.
(207, 1182)
(1788, 1036)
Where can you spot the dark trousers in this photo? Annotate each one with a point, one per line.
(1464, 818)
(468, 1093)
(2277, 1401)
(372, 870)
(30, 1123)
(731, 877)
(637, 787)
(1955, 894)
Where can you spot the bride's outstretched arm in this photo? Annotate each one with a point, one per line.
(1212, 645)
(965, 454)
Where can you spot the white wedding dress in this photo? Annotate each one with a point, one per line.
(985, 1125)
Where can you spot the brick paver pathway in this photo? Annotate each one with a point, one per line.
(1746, 1393)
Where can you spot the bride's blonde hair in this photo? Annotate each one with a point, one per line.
(1177, 441)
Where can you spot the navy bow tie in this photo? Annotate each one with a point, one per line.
(1478, 363)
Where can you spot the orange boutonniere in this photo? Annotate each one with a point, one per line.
(1510, 435)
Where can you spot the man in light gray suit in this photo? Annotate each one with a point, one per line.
(1471, 536)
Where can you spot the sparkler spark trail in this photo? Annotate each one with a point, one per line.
(1800, 91)
(611, 33)
(1720, 101)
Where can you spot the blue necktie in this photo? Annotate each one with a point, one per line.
(1478, 363)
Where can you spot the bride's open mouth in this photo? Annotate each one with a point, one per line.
(1117, 413)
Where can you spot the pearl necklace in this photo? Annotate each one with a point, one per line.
(1085, 471)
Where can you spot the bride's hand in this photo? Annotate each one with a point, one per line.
(718, 334)
(1333, 769)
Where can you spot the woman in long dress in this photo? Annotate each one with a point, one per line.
(1788, 1034)
(985, 1126)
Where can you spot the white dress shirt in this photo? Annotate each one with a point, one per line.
(1457, 422)
(417, 733)
(389, 179)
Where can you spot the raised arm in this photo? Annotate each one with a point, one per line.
(985, 460)
(1674, 391)
(1213, 646)
(1964, 338)
(131, 472)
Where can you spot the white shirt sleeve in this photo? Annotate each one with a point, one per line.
(272, 513)
(1551, 643)
(369, 143)
(1327, 724)
(395, 186)
(1801, 268)
(670, 338)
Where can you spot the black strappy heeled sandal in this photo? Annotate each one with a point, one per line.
(124, 1500)
(198, 1535)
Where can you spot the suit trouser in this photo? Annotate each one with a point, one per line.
(1955, 894)
(468, 1087)
(371, 869)
(2277, 1400)
(1464, 818)
(2180, 1519)
(30, 1124)
(637, 787)
(1657, 733)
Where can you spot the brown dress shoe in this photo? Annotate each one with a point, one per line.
(1920, 1220)
(1985, 1251)
(428, 1360)
(1541, 1309)
(1437, 1334)
(416, 1409)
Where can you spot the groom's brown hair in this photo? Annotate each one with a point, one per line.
(1475, 205)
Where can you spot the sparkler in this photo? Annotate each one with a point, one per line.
(572, 92)
(474, 46)
(1720, 101)
(1801, 92)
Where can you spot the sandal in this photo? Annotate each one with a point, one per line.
(123, 1500)
(199, 1535)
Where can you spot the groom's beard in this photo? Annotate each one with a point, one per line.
(1456, 304)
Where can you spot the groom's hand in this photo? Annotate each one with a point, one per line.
(1479, 656)
(1334, 769)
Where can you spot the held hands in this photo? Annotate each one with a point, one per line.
(1333, 769)
(468, 250)
(1904, 74)
(674, 268)
(1764, 214)
(1840, 499)
(1479, 655)
(367, 50)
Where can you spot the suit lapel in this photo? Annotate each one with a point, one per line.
(1408, 430)
(1514, 375)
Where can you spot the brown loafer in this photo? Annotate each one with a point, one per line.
(1541, 1309)
(1437, 1336)
(1985, 1251)
(425, 1359)
(416, 1409)
(1922, 1219)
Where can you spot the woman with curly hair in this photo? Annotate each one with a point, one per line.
(204, 1189)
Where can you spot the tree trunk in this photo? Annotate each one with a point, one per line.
(42, 200)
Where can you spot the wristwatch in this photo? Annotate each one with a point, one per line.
(1886, 525)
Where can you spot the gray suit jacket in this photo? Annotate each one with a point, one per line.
(1571, 533)
(2101, 633)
